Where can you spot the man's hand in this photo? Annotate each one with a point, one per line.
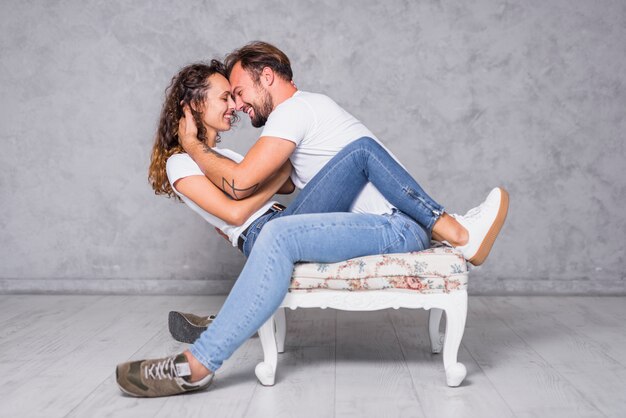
(187, 130)
(238, 180)
(219, 231)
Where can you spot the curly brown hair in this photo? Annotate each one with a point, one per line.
(188, 87)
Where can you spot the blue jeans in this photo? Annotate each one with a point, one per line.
(277, 241)
(340, 181)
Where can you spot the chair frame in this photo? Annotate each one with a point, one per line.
(454, 304)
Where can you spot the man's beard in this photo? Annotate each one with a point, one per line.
(263, 110)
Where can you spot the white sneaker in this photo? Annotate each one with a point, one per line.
(483, 224)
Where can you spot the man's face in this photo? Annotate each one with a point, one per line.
(250, 97)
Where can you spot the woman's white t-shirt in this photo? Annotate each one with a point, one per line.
(179, 166)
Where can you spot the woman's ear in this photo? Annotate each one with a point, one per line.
(196, 107)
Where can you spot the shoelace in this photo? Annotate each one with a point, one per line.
(472, 213)
(164, 369)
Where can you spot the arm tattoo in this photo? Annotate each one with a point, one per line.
(234, 190)
(225, 184)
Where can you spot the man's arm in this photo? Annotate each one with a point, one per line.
(204, 194)
(242, 179)
(287, 188)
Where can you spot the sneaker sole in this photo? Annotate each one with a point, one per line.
(134, 395)
(492, 234)
(182, 330)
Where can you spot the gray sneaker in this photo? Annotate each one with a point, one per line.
(160, 377)
(186, 327)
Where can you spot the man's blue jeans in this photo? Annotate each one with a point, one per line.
(307, 232)
(339, 182)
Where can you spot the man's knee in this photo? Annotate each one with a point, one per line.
(365, 142)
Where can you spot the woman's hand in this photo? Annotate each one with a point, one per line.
(187, 130)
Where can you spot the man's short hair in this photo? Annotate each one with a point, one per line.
(257, 55)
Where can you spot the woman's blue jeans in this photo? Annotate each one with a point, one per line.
(317, 227)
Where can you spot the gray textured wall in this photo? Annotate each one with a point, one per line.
(531, 95)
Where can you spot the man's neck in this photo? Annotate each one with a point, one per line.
(283, 93)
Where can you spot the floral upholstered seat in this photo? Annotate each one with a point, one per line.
(435, 279)
(436, 270)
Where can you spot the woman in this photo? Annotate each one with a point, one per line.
(200, 94)
(206, 92)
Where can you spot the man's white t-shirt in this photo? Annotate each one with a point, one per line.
(179, 166)
(320, 128)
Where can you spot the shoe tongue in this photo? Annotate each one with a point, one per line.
(182, 366)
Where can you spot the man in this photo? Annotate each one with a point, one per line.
(308, 129)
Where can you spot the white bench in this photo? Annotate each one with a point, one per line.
(434, 279)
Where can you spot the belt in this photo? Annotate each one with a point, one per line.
(276, 207)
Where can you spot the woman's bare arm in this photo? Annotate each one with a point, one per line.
(205, 194)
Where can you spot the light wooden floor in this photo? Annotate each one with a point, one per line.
(526, 356)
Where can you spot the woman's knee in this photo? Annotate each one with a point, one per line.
(274, 230)
(277, 240)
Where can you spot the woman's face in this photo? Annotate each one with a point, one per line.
(219, 107)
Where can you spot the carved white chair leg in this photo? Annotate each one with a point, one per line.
(281, 329)
(266, 370)
(436, 338)
(456, 313)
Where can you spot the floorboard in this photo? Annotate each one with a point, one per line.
(526, 357)
(305, 380)
(476, 397)
(576, 357)
(527, 382)
(372, 377)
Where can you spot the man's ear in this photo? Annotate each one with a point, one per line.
(267, 76)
